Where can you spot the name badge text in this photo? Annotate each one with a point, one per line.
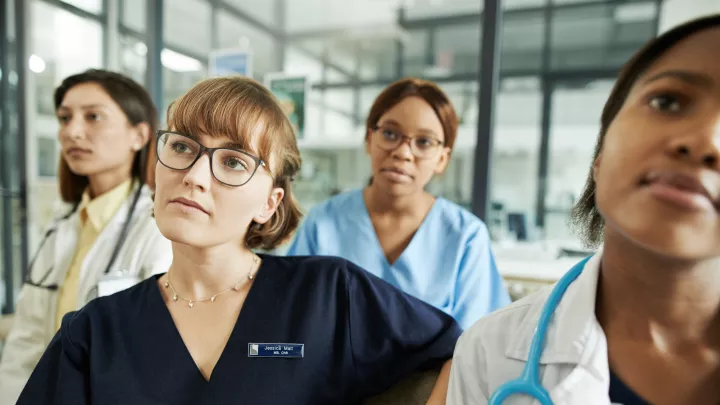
(283, 350)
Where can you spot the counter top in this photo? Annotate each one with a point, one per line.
(539, 270)
(534, 261)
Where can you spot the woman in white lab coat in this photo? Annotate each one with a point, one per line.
(640, 323)
(104, 238)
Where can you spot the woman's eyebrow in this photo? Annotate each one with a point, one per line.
(692, 78)
(83, 107)
(232, 145)
(425, 131)
(191, 136)
(391, 123)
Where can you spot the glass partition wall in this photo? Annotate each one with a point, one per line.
(558, 61)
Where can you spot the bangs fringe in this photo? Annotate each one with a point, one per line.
(236, 108)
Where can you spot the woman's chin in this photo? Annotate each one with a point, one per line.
(399, 189)
(678, 242)
(181, 232)
(83, 168)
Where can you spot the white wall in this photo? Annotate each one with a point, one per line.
(675, 12)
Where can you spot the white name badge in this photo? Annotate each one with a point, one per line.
(111, 284)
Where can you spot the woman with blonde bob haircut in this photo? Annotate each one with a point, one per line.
(227, 325)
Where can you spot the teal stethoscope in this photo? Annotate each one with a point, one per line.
(529, 381)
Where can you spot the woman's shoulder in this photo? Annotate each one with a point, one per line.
(457, 219)
(338, 205)
(324, 270)
(61, 211)
(494, 349)
(495, 332)
(335, 276)
(306, 266)
(118, 305)
(101, 317)
(317, 271)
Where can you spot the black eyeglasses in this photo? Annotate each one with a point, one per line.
(422, 147)
(232, 167)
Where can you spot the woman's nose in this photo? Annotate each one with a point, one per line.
(404, 150)
(72, 129)
(199, 174)
(699, 147)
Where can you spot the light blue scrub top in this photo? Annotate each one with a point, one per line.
(448, 263)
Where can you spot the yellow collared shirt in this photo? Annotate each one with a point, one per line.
(94, 214)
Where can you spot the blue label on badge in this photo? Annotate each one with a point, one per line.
(284, 350)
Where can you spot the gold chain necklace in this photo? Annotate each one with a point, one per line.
(250, 277)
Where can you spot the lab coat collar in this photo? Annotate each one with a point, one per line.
(100, 210)
(575, 339)
(573, 325)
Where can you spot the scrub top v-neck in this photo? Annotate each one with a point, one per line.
(621, 394)
(360, 336)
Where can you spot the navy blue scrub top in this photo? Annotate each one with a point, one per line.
(621, 394)
(361, 335)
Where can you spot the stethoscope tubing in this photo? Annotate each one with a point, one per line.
(529, 381)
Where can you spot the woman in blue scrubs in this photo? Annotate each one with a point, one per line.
(225, 325)
(425, 245)
(640, 323)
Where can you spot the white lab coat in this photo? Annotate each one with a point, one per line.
(144, 252)
(573, 366)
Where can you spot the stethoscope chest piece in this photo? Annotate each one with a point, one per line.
(520, 387)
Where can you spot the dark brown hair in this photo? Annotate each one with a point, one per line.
(238, 107)
(426, 90)
(138, 107)
(585, 217)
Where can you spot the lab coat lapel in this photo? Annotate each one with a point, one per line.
(62, 250)
(574, 361)
(589, 381)
(569, 326)
(64, 246)
(99, 254)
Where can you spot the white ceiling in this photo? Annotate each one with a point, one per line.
(373, 22)
(262, 10)
(369, 23)
(313, 15)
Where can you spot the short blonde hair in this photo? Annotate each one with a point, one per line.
(239, 107)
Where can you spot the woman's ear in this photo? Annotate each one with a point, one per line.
(270, 206)
(368, 138)
(141, 136)
(443, 161)
(596, 165)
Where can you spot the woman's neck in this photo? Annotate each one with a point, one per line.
(657, 299)
(203, 272)
(101, 183)
(381, 202)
